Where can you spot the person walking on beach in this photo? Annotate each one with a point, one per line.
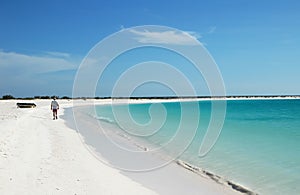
(54, 108)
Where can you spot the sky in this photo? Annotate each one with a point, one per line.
(255, 43)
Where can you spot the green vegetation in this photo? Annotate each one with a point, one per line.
(8, 97)
(46, 97)
(65, 98)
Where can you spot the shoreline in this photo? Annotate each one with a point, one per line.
(218, 179)
(176, 163)
(99, 148)
(193, 168)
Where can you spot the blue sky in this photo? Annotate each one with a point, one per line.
(255, 43)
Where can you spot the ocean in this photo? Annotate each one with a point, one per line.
(258, 148)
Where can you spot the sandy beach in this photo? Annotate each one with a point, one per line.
(39, 155)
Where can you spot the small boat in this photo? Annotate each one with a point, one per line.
(26, 105)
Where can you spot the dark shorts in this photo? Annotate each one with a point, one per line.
(54, 110)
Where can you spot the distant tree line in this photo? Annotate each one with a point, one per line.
(10, 97)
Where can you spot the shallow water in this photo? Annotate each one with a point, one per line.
(258, 147)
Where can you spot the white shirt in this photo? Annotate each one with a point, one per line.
(54, 104)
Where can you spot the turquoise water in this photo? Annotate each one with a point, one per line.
(259, 146)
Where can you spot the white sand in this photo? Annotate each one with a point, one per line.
(42, 156)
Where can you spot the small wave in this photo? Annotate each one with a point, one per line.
(141, 147)
(123, 135)
(128, 138)
(215, 177)
(105, 119)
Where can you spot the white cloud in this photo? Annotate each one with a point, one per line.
(212, 29)
(167, 37)
(194, 34)
(28, 75)
(35, 64)
(58, 54)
